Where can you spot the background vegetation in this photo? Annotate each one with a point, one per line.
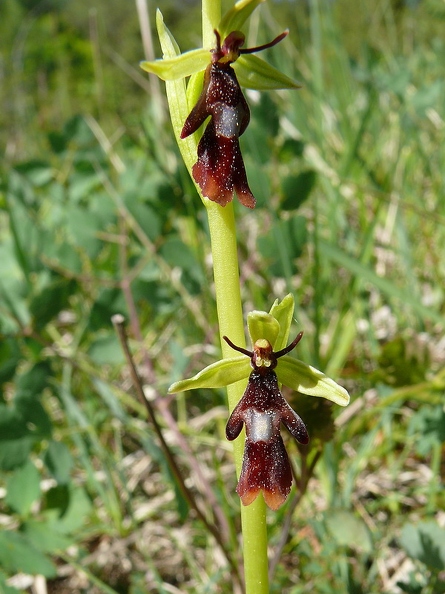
(98, 216)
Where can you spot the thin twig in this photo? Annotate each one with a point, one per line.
(161, 404)
(119, 324)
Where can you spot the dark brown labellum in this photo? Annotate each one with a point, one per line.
(262, 409)
(220, 170)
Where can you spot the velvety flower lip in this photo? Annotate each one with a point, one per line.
(261, 410)
(266, 465)
(266, 468)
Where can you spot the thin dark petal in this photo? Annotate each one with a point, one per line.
(195, 119)
(265, 468)
(235, 422)
(294, 423)
(199, 113)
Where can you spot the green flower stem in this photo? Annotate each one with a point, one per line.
(227, 287)
(228, 301)
(211, 15)
(231, 323)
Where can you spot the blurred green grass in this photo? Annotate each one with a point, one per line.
(98, 216)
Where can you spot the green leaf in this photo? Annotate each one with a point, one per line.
(14, 452)
(349, 530)
(59, 461)
(106, 349)
(234, 19)
(262, 325)
(39, 173)
(429, 421)
(79, 508)
(33, 415)
(109, 301)
(9, 358)
(18, 555)
(35, 380)
(12, 425)
(84, 227)
(57, 499)
(23, 488)
(25, 417)
(255, 73)
(110, 399)
(427, 97)
(45, 536)
(425, 541)
(145, 216)
(4, 588)
(306, 379)
(50, 301)
(64, 255)
(219, 374)
(177, 253)
(296, 189)
(283, 243)
(180, 66)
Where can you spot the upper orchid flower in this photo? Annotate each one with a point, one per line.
(262, 408)
(219, 170)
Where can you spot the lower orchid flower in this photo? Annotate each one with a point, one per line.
(262, 408)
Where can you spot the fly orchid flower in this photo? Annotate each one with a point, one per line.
(219, 170)
(263, 408)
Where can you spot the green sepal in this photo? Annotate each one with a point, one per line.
(262, 325)
(235, 18)
(254, 73)
(217, 375)
(306, 379)
(169, 44)
(180, 66)
(176, 95)
(283, 312)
